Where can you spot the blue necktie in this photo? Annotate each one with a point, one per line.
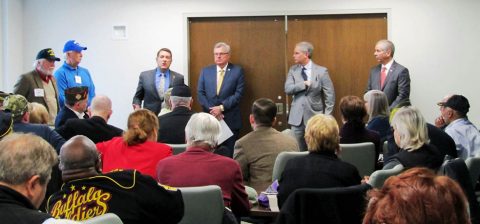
(304, 75)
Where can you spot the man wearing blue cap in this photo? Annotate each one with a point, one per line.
(39, 85)
(72, 75)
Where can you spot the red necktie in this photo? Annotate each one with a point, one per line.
(383, 76)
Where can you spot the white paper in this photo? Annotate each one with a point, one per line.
(38, 92)
(78, 79)
(273, 203)
(225, 132)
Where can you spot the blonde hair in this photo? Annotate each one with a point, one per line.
(321, 134)
(38, 113)
(377, 104)
(142, 124)
(412, 128)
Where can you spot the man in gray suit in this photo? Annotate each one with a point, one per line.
(39, 85)
(153, 84)
(389, 76)
(311, 88)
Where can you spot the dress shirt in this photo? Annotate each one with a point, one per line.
(466, 137)
(308, 70)
(167, 78)
(387, 66)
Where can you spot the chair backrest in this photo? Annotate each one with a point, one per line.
(473, 165)
(202, 204)
(282, 160)
(361, 155)
(107, 218)
(385, 148)
(178, 148)
(378, 177)
(342, 205)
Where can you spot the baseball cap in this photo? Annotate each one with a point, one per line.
(6, 123)
(181, 91)
(72, 45)
(16, 104)
(48, 54)
(458, 103)
(77, 93)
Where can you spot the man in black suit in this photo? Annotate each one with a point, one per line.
(389, 76)
(96, 127)
(76, 99)
(172, 125)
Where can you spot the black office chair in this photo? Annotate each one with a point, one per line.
(342, 205)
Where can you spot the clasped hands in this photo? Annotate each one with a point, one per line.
(216, 111)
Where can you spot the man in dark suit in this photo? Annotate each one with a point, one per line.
(220, 89)
(96, 127)
(172, 125)
(39, 85)
(76, 99)
(152, 84)
(389, 76)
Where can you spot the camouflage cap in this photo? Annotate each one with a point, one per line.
(15, 104)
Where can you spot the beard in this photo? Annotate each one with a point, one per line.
(48, 71)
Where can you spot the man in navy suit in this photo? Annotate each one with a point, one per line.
(149, 89)
(220, 89)
(389, 76)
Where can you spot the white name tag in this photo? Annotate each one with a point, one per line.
(78, 79)
(38, 92)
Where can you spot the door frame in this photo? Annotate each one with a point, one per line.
(187, 16)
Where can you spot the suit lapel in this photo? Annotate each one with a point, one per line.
(390, 74)
(39, 83)
(152, 81)
(226, 77)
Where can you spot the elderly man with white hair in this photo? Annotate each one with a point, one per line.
(39, 85)
(199, 166)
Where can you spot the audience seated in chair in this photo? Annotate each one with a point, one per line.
(353, 129)
(38, 113)
(256, 152)
(95, 127)
(26, 163)
(410, 134)
(86, 193)
(376, 103)
(199, 166)
(417, 196)
(320, 168)
(138, 148)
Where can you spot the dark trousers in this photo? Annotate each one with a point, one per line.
(226, 148)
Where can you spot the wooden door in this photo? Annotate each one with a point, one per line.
(342, 43)
(257, 44)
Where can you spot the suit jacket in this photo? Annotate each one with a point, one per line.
(316, 170)
(397, 83)
(256, 153)
(15, 208)
(172, 125)
(26, 85)
(95, 128)
(64, 115)
(316, 99)
(197, 167)
(230, 94)
(147, 91)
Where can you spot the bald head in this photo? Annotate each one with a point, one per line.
(101, 106)
(78, 154)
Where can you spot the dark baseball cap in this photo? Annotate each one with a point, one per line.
(77, 93)
(6, 123)
(48, 54)
(181, 91)
(458, 103)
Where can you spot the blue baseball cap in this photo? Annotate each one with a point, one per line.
(72, 45)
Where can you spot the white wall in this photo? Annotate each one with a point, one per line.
(11, 41)
(435, 39)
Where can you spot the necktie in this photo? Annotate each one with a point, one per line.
(304, 75)
(383, 76)
(161, 85)
(220, 80)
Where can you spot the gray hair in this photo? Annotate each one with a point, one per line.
(202, 128)
(222, 45)
(78, 153)
(412, 128)
(23, 156)
(305, 47)
(387, 45)
(377, 104)
(36, 62)
(180, 101)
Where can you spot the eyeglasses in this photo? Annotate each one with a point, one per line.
(220, 54)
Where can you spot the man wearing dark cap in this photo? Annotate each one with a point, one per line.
(172, 125)
(466, 136)
(75, 105)
(6, 124)
(71, 75)
(39, 85)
